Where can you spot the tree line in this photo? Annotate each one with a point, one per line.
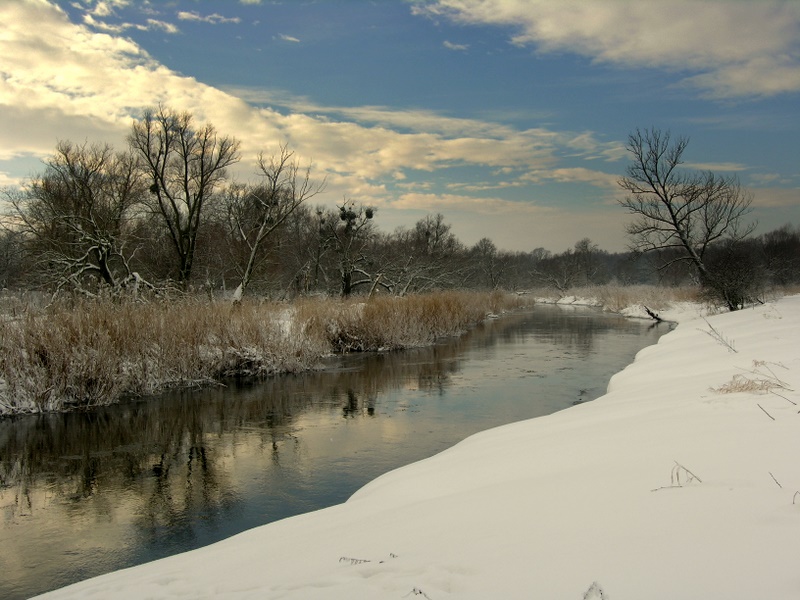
(164, 214)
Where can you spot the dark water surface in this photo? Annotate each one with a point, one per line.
(86, 493)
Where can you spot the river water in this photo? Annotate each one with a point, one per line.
(82, 494)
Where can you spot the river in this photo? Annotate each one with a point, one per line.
(86, 493)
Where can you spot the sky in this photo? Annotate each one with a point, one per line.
(509, 117)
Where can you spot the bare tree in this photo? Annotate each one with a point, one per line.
(184, 165)
(560, 271)
(254, 213)
(429, 256)
(12, 257)
(75, 215)
(675, 209)
(780, 251)
(349, 232)
(488, 262)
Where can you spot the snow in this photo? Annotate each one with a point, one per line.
(662, 489)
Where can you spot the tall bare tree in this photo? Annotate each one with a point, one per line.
(678, 209)
(489, 263)
(429, 256)
(184, 165)
(349, 231)
(75, 215)
(255, 212)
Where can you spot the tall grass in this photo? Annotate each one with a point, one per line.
(80, 354)
(386, 323)
(617, 297)
(614, 297)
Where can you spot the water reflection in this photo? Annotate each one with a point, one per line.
(85, 493)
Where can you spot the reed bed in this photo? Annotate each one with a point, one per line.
(87, 353)
(615, 298)
(389, 323)
(80, 353)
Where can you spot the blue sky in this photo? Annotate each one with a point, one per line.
(508, 116)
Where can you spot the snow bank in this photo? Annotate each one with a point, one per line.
(661, 489)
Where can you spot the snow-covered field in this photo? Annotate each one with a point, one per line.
(682, 482)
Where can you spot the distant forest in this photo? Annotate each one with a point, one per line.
(312, 253)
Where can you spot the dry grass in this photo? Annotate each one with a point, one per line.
(617, 297)
(80, 354)
(385, 322)
(614, 298)
(740, 383)
(760, 379)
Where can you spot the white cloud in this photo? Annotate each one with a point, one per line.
(102, 9)
(582, 175)
(431, 140)
(776, 197)
(724, 167)
(7, 180)
(493, 206)
(214, 19)
(733, 48)
(289, 38)
(452, 46)
(89, 20)
(163, 25)
(59, 80)
(93, 17)
(764, 179)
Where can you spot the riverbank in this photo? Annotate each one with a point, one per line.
(680, 482)
(80, 354)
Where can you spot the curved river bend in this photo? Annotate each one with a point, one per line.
(86, 493)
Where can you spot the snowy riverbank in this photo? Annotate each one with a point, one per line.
(682, 482)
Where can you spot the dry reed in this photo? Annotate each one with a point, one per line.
(615, 298)
(78, 354)
(387, 322)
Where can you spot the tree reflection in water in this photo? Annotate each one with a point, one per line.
(85, 493)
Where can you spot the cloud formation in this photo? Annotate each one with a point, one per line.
(452, 46)
(726, 48)
(65, 80)
(98, 11)
(214, 19)
(99, 82)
